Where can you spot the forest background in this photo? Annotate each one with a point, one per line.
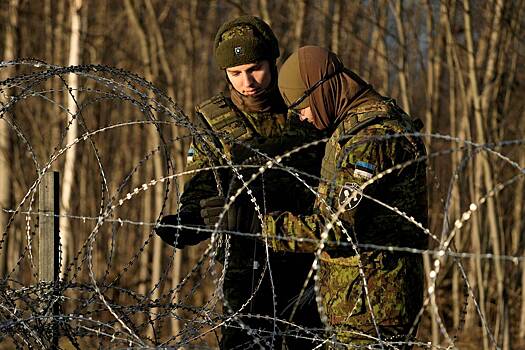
(456, 64)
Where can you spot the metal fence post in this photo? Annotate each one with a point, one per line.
(48, 236)
(48, 248)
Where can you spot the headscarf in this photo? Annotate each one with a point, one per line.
(334, 98)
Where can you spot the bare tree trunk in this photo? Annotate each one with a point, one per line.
(499, 71)
(49, 34)
(178, 150)
(156, 195)
(516, 232)
(516, 25)
(178, 146)
(492, 82)
(72, 133)
(490, 70)
(168, 75)
(326, 26)
(433, 316)
(434, 67)
(522, 319)
(6, 189)
(379, 54)
(190, 42)
(483, 168)
(145, 261)
(454, 210)
(188, 83)
(298, 30)
(265, 14)
(518, 214)
(336, 26)
(151, 70)
(474, 274)
(58, 58)
(403, 68)
(144, 272)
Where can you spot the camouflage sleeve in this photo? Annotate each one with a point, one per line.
(352, 164)
(370, 214)
(298, 233)
(364, 214)
(198, 185)
(358, 160)
(293, 233)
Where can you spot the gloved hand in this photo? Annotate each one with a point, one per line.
(176, 237)
(212, 207)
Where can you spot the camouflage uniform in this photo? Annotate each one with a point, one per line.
(273, 134)
(360, 147)
(229, 125)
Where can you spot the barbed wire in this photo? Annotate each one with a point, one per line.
(515, 259)
(107, 295)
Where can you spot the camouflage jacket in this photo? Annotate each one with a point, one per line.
(224, 134)
(228, 134)
(370, 174)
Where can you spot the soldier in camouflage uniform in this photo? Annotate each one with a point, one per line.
(252, 116)
(372, 170)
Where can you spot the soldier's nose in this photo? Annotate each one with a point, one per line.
(248, 80)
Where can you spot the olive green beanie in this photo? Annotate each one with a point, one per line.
(291, 83)
(246, 39)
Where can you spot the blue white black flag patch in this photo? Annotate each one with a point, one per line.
(189, 157)
(350, 195)
(364, 170)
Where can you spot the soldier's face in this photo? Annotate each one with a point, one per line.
(251, 78)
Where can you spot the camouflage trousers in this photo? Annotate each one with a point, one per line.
(389, 304)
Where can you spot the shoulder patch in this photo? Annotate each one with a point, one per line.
(350, 195)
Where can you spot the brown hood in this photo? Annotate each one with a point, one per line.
(336, 97)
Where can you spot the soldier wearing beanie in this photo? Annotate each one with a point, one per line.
(251, 115)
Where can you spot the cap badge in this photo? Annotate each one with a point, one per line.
(238, 50)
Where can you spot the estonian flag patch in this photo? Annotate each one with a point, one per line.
(189, 157)
(364, 170)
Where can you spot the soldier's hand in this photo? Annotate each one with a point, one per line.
(211, 209)
(178, 238)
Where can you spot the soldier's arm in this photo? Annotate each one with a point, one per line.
(199, 185)
(293, 233)
(370, 217)
(360, 158)
(299, 233)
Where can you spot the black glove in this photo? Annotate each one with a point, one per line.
(178, 237)
(212, 207)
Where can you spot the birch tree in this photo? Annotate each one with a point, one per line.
(68, 180)
(402, 61)
(5, 136)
